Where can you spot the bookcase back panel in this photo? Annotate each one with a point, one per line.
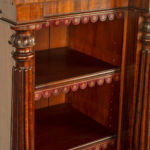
(52, 100)
(52, 37)
(47, 38)
(99, 103)
(102, 40)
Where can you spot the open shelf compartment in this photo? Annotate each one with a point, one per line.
(73, 60)
(64, 69)
(62, 127)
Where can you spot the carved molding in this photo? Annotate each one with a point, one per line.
(21, 40)
(102, 145)
(46, 93)
(22, 112)
(74, 19)
(145, 39)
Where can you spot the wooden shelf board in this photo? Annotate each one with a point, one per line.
(62, 127)
(62, 66)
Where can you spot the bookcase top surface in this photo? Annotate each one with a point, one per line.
(102, 2)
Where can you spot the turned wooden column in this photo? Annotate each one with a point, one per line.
(141, 138)
(23, 89)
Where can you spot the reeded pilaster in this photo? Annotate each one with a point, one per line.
(23, 90)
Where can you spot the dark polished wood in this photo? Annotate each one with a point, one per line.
(28, 12)
(62, 127)
(113, 36)
(138, 4)
(23, 104)
(96, 43)
(67, 64)
(99, 103)
(131, 63)
(142, 121)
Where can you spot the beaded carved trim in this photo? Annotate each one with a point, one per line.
(74, 19)
(46, 93)
(99, 145)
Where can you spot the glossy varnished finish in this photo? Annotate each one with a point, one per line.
(131, 57)
(38, 10)
(67, 128)
(23, 105)
(142, 122)
(96, 43)
(99, 103)
(66, 63)
(117, 2)
(140, 4)
(119, 46)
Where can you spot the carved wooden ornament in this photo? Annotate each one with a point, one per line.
(74, 87)
(74, 19)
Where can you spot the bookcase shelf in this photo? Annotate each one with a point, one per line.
(62, 127)
(62, 69)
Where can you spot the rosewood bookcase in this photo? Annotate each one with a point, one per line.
(80, 78)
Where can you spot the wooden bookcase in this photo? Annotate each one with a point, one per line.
(81, 75)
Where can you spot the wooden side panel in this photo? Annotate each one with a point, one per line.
(6, 63)
(99, 103)
(95, 40)
(130, 82)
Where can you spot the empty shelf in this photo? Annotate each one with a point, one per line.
(64, 67)
(62, 127)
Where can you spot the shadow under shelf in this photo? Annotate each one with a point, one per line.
(62, 127)
(62, 69)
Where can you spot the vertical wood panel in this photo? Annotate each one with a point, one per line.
(96, 42)
(59, 99)
(58, 36)
(99, 103)
(42, 39)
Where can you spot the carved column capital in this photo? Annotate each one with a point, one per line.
(145, 39)
(22, 40)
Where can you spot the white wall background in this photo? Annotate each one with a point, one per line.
(6, 63)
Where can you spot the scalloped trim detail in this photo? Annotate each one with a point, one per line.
(75, 20)
(108, 79)
(104, 145)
